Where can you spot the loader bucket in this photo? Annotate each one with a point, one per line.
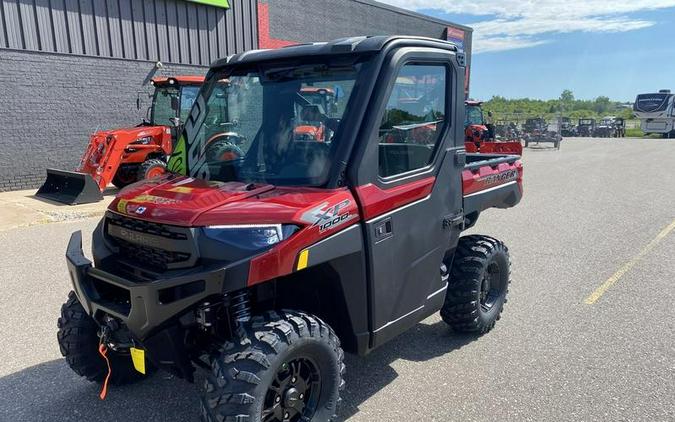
(69, 187)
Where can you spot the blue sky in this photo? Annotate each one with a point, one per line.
(538, 48)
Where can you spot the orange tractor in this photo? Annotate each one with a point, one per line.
(315, 106)
(478, 136)
(124, 156)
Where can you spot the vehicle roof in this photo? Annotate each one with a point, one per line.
(181, 80)
(473, 103)
(354, 45)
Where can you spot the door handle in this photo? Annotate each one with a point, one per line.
(383, 229)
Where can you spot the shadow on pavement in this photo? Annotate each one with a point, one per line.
(51, 391)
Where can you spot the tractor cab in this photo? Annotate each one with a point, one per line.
(475, 129)
(314, 108)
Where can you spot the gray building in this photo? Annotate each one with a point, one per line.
(70, 67)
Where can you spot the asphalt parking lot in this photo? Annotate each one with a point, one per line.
(598, 212)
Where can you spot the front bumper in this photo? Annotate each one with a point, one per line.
(144, 307)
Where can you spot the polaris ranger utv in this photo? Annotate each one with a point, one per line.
(260, 270)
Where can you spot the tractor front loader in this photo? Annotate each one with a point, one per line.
(124, 156)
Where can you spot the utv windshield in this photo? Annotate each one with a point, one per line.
(172, 101)
(474, 116)
(262, 128)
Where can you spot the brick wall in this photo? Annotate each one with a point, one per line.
(50, 103)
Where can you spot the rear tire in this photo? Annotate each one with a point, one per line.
(282, 360)
(78, 341)
(223, 150)
(151, 168)
(479, 281)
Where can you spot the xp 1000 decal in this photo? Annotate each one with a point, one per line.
(189, 156)
(327, 216)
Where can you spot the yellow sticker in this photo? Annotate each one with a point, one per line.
(122, 206)
(138, 358)
(302, 260)
(181, 189)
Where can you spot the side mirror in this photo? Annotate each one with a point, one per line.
(174, 103)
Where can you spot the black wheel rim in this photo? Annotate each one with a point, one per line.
(294, 393)
(492, 287)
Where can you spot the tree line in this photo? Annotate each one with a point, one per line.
(566, 105)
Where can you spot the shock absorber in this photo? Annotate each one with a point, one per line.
(240, 306)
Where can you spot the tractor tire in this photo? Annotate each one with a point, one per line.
(479, 282)
(223, 150)
(286, 366)
(78, 341)
(125, 176)
(151, 168)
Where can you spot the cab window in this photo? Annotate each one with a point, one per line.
(413, 120)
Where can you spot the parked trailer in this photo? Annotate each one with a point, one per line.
(656, 113)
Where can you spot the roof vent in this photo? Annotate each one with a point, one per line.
(664, 91)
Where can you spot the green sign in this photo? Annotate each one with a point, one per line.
(218, 3)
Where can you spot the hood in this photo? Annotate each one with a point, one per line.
(133, 132)
(185, 201)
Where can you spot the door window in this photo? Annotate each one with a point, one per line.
(413, 120)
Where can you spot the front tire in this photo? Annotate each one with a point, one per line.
(286, 366)
(151, 168)
(479, 281)
(78, 340)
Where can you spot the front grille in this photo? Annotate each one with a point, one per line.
(157, 246)
(154, 257)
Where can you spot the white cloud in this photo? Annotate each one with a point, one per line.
(525, 23)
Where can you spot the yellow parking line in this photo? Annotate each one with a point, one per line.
(597, 294)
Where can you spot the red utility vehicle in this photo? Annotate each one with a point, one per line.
(260, 270)
(478, 136)
(123, 156)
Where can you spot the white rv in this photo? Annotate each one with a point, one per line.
(656, 113)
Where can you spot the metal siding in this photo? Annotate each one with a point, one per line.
(101, 26)
(3, 40)
(30, 37)
(127, 23)
(193, 33)
(173, 31)
(183, 32)
(162, 33)
(229, 24)
(221, 31)
(213, 34)
(62, 43)
(150, 29)
(74, 26)
(238, 24)
(88, 28)
(139, 29)
(203, 26)
(115, 28)
(13, 26)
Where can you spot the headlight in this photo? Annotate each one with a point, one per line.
(250, 236)
(146, 140)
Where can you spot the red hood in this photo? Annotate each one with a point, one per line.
(132, 132)
(185, 201)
